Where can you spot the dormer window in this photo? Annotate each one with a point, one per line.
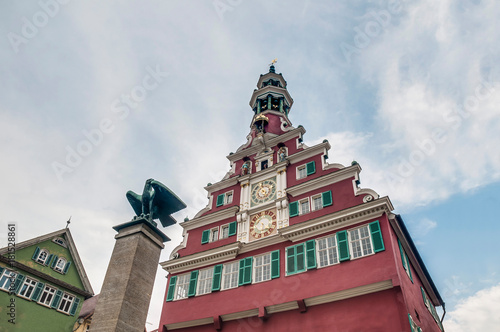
(42, 257)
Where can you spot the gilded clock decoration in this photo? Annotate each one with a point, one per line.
(263, 191)
(263, 224)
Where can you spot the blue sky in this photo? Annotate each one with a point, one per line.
(409, 89)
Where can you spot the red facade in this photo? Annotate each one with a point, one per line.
(290, 242)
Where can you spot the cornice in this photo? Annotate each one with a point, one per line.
(271, 142)
(337, 220)
(268, 241)
(221, 185)
(210, 218)
(349, 293)
(340, 175)
(201, 259)
(308, 152)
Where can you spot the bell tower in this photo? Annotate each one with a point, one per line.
(271, 104)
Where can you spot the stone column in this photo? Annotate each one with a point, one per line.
(126, 292)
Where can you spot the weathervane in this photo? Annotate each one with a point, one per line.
(273, 62)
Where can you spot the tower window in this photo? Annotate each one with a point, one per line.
(263, 164)
(214, 234)
(304, 206)
(360, 242)
(262, 268)
(181, 289)
(230, 275)
(205, 281)
(327, 251)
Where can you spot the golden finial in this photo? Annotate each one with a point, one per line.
(274, 61)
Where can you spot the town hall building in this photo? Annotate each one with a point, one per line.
(292, 242)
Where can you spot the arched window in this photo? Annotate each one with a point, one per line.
(42, 256)
(61, 263)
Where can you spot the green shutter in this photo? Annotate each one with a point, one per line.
(411, 323)
(171, 288)
(192, 283)
(245, 272)
(220, 200)
(248, 270)
(47, 262)
(294, 209)
(327, 198)
(311, 254)
(290, 260)
(37, 292)
(426, 302)
(54, 261)
(74, 307)
(205, 236)
(217, 277)
(57, 299)
(18, 282)
(402, 254)
(275, 264)
(232, 228)
(1, 270)
(311, 168)
(35, 254)
(343, 246)
(300, 257)
(378, 242)
(66, 267)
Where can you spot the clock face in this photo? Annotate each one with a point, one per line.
(262, 224)
(263, 191)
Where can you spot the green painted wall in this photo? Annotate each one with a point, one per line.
(31, 316)
(71, 277)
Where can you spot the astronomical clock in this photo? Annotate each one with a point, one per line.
(262, 224)
(263, 191)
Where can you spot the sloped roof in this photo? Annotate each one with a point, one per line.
(65, 232)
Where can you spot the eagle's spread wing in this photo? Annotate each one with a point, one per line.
(165, 203)
(136, 202)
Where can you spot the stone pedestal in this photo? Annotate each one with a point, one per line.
(126, 292)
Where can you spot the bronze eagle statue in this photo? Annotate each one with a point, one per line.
(156, 202)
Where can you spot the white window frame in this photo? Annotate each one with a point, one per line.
(60, 241)
(231, 275)
(351, 241)
(27, 288)
(204, 283)
(67, 300)
(224, 228)
(59, 269)
(299, 172)
(228, 197)
(182, 292)
(43, 260)
(304, 200)
(259, 271)
(327, 250)
(214, 234)
(11, 276)
(313, 206)
(49, 292)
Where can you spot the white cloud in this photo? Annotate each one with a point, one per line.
(477, 313)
